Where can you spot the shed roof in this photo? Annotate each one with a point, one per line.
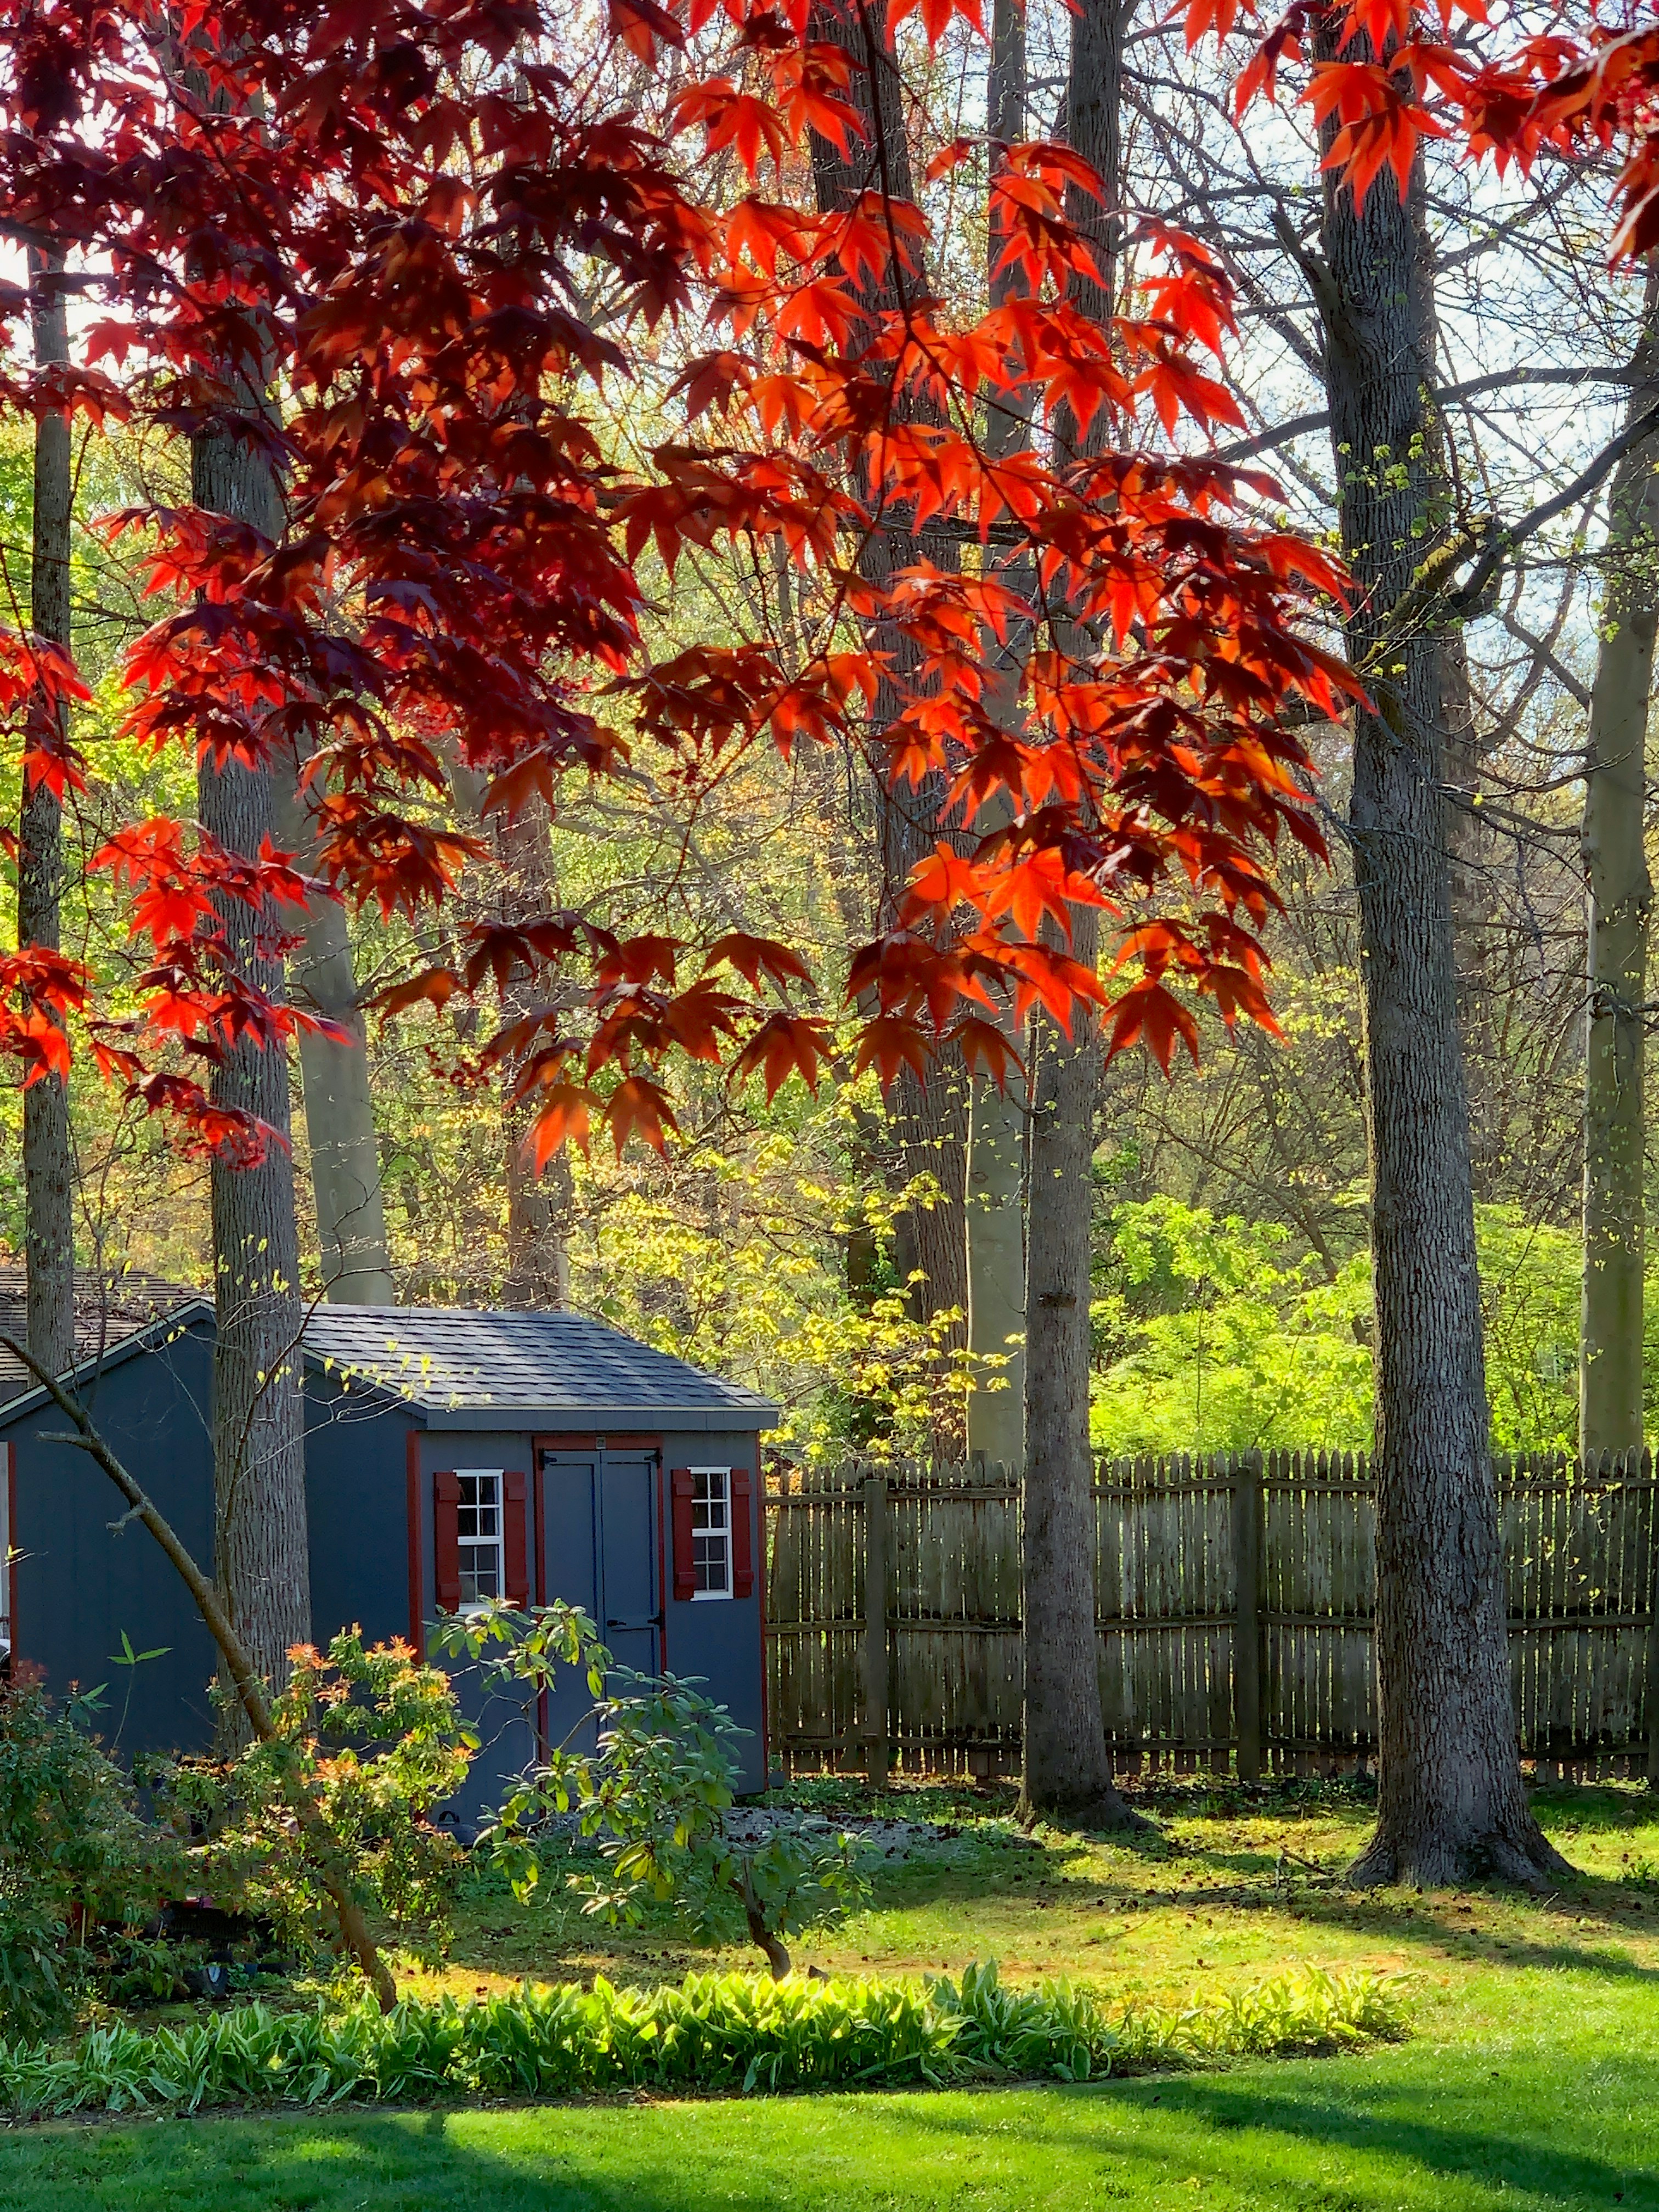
(459, 1369)
(467, 1369)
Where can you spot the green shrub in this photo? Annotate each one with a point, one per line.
(76, 1856)
(712, 2032)
(1070, 2033)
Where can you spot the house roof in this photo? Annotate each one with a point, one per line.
(466, 1369)
(109, 1310)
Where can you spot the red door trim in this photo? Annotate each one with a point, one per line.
(616, 1440)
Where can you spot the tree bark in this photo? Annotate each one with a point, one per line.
(539, 1211)
(1067, 1765)
(258, 1438)
(1451, 1800)
(345, 1158)
(1619, 901)
(48, 1162)
(539, 1207)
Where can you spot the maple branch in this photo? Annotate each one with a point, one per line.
(1492, 544)
(1546, 655)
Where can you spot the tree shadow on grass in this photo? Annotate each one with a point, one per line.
(1382, 2145)
(341, 2161)
(1421, 1920)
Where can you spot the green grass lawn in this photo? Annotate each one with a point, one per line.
(1531, 2078)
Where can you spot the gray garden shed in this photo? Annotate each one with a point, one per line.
(451, 1456)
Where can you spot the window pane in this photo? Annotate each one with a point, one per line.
(478, 1529)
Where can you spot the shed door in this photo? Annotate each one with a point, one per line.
(568, 1522)
(632, 1620)
(600, 1535)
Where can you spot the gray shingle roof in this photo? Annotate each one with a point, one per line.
(559, 1371)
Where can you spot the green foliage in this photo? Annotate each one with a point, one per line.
(739, 1266)
(653, 1795)
(1071, 2034)
(74, 1855)
(1210, 1336)
(1211, 1339)
(375, 1738)
(712, 2032)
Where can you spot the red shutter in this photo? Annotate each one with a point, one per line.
(447, 1541)
(685, 1574)
(743, 1544)
(515, 1532)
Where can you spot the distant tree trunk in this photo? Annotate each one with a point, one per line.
(539, 1207)
(346, 1157)
(928, 1120)
(258, 1441)
(538, 1210)
(1451, 1797)
(1618, 899)
(1068, 1767)
(48, 1166)
(995, 1180)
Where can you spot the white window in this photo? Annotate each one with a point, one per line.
(711, 1531)
(479, 1527)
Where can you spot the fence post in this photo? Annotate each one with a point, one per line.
(875, 1630)
(1247, 1619)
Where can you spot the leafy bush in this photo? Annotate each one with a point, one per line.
(1210, 1336)
(713, 2032)
(1068, 2033)
(75, 1855)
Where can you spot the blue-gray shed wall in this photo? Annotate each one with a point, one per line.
(357, 1512)
(76, 1586)
(600, 1538)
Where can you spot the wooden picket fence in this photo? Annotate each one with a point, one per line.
(1234, 1605)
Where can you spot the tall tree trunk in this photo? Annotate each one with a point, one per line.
(345, 1156)
(1451, 1798)
(1068, 1767)
(48, 1167)
(258, 1438)
(1618, 899)
(995, 1181)
(929, 1120)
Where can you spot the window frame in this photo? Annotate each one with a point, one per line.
(498, 1542)
(723, 1596)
